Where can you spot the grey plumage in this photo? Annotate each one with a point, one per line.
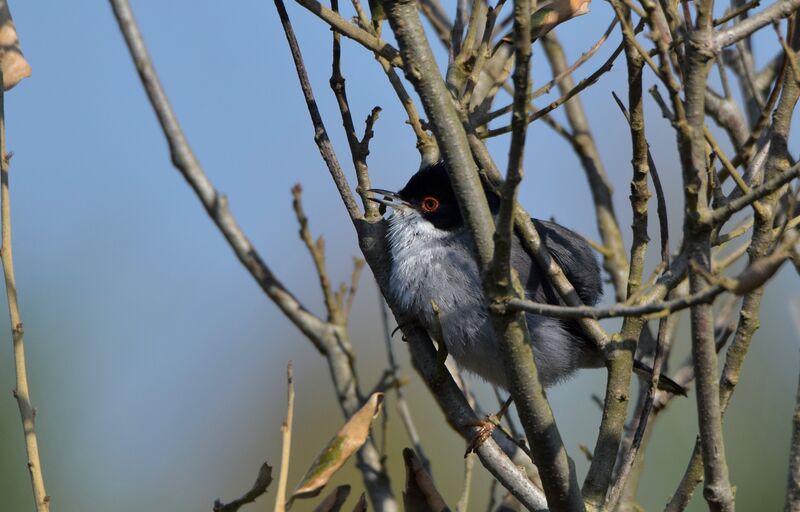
(429, 264)
(434, 261)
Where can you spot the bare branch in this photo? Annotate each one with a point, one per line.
(445, 123)
(286, 441)
(793, 484)
(216, 205)
(723, 213)
(359, 35)
(21, 390)
(778, 10)
(614, 260)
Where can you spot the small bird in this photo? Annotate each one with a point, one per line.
(434, 265)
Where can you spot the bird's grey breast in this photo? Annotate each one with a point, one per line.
(431, 265)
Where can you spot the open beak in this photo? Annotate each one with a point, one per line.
(390, 199)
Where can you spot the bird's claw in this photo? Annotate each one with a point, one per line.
(486, 428)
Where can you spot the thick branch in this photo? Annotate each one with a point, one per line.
(422, 71)
(558, 476)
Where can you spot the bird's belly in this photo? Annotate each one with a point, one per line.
(425, 276)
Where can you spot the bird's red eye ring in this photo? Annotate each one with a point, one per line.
(430, 204)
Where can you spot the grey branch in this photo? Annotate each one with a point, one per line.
(778, 10)
(793, 483)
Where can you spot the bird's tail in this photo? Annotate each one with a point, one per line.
(664, 383)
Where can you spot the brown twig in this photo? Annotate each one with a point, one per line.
(317, 250)
(359, 148)
(463, 501)
(286, 442)
(21, 390)
(350, 30)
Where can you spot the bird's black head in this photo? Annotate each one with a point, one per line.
(429, 193)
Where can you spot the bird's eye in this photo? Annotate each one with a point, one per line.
(430, 204)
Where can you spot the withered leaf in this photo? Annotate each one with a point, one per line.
(334, 501)
(420, 493)
(345, 443)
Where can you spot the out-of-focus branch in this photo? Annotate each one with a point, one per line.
(21, 390)
(317, 250)
(263, 479)
(793, 480)
(12, 62)
(729, 116)
(463, 502)
(286, 442)
(402, 405)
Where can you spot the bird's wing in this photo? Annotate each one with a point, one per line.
(573, 254)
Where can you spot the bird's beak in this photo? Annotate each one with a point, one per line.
(390, 199)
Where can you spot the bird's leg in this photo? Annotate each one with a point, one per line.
(486, 427)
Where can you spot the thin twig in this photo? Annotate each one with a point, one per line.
(317, 250)
(21, 390)
(352, 31)
(463, 502)
(359, 149)
(286, 442)
(723, 213)
(402, 405)
(585, 56)
(779, 10)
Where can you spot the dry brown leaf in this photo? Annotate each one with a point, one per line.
(420, 494)
(334, 501)
(555, 13)
(13, 63)
(345, 443)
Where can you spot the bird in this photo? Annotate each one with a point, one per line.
(435, 280)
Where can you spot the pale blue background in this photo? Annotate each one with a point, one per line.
(156, 363)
